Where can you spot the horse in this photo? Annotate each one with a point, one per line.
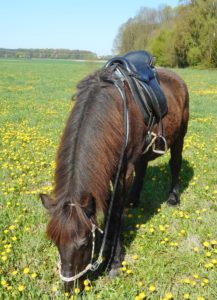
(88, 163)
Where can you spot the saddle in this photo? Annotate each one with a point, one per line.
(136, 67)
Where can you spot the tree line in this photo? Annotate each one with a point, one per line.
(182, 36)
(47, 53)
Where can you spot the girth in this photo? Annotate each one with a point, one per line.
(136, 68)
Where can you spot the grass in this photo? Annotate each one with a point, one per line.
(169, 253)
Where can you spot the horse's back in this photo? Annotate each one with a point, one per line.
(170, 80)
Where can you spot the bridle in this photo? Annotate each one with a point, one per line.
(91, 266)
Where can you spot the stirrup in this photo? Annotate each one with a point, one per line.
(158, 151)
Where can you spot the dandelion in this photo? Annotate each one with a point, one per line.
(135, 257)
(152, 288)
(86, 282)
(186, 296)
(21, 288)
(169, 296)
(26, 271)
(77, 291)
(213, 242)
(3, 282)
(14, 273)
(206, 244)
(4, 257)
(33, 275)
(54, 289)
(208, 254)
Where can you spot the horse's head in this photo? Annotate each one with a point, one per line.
(72, 229)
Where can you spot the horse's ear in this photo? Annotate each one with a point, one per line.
(88, 204)
(47, 201)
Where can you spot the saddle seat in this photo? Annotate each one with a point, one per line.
(141, 75)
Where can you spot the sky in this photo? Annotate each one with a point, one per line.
(71, 24)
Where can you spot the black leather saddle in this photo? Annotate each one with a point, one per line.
(136, 67)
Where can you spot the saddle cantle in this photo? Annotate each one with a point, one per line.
(136, 67)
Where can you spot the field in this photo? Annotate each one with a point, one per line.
(171, 253)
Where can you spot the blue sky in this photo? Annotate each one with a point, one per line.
(72, 24)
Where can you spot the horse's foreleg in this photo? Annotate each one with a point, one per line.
(175, 167)
(114, 234)
(140, 170)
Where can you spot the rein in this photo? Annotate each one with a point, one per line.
(93, 266)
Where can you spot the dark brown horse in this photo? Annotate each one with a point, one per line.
(87, 162)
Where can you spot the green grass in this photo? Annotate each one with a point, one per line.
(164, 247)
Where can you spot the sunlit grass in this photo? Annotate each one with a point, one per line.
(169, 253)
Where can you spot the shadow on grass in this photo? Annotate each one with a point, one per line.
(154, 193)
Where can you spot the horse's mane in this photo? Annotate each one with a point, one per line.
(88, 153)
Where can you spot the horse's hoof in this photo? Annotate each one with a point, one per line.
(173, 199)
(113, 273)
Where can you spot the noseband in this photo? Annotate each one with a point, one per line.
(91, 266)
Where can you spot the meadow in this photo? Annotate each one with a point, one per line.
(170, 253)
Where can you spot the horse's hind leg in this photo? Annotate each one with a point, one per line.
(175, 167)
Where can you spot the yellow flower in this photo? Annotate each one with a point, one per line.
(54, 289)
(87, 288)
(77, 291)
(205, 280)
(135, 257)
(206, 244)
(4, 257)
(14, 273)
(26, 271)
(152, 288)
(124, 263)
(33, 275)
(200, 298)
(186, 296)
(14, 238)
(12, 227)
(187, 280)
(3, 282)
(196, 249)
(21, 288)
(169, 296)
(86, 282)
(208, 254)
(142, 295)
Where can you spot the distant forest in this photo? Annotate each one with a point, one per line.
(47, 53)
(182, 36)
